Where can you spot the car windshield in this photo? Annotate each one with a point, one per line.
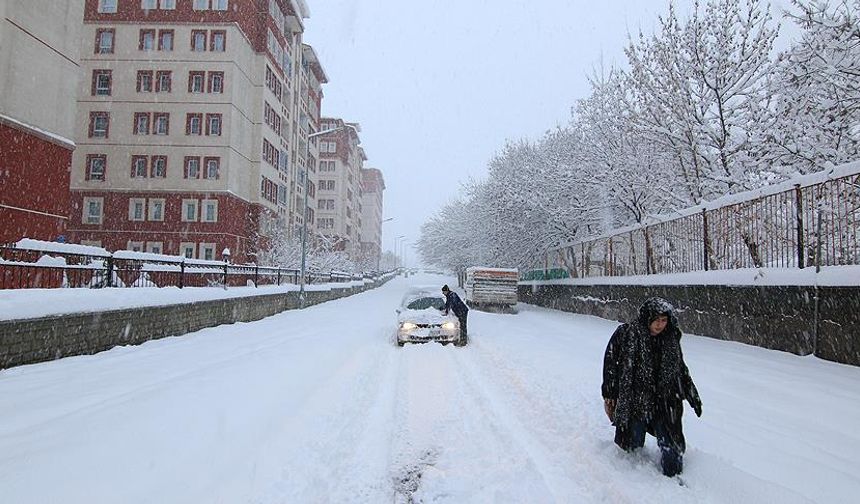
(426, 302)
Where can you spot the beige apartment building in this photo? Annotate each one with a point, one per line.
(193, 120)
(39, 68)
(372, 187)
(339, 205)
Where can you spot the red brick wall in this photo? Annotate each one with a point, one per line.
(34, 175)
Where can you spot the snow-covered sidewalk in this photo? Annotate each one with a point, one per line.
(318, 405)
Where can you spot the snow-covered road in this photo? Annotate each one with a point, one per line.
(319, 406)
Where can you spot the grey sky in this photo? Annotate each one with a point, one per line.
(438, 86)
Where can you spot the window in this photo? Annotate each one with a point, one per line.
(107, 6)
(192, 167)
(144, 81)
(93, 210)
(165, 40)
(139, 166)
(213, 166)
(194, 124)
(207, 251)
(96, 164)
(168, 4)
(195, 82)
(101, 83)
(201, 4)
(156, 210)
(187, 249)
(327, 185)
(136, 209)
(198, 40)
(218, 41)
(104, 41)
(148, 4)
(216, 82)
(147, 40)
(134, 246)
(213, 124)
(159, 166)
(219, 5)
(163, 81)
(141, 123)
(99, 124)
(189, 210)
(210, 211)
(161, 124)
(155, 247)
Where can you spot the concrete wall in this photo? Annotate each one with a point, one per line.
(48, 338)
(776, 317)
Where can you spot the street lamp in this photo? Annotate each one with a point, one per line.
(397, 249)
(379, 256)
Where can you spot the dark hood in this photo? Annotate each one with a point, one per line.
(653, 308)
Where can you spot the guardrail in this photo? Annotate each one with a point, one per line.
(23, 267)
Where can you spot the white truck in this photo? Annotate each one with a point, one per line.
(492, 288)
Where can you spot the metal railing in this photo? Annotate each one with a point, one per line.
(814, 221)
(36, 268)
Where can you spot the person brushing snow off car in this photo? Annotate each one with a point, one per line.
(455, 304)
(645, 381)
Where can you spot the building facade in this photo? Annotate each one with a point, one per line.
(39, 68)
(339, 205)
(191, 134)
(372, 187)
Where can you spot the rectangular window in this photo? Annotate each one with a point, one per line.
(141, 123)
(168, 4)
(207, 251)
(104, 41)
(136, 209)
(163, 81)
(210, 211)
(159, 166)
(144, 81)
(198, 40)
(147, 40)
(194, 124)
(139, 166)
(201, 4)
(96, 164)
(134, 246)
(156, 210)
(187, 249)
(148, 4)
(165, 40)
(213, 167)
(155, 247)
(161, 123)
(107, 6)
(213, 124)
(192, 167)
(216, 82)
(189, 210)
(101, 85)
(99, 124)
(195, 82)
(218, 41)
(219, 5)
(93, 210)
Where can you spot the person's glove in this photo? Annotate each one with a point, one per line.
(609, 408)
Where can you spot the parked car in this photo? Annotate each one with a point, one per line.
(420, 318)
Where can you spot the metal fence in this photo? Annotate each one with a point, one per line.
(813, 224)
(25, 268)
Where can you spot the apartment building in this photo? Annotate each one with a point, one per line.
(372, 187)
(339, 205)
(39, 64)
(190, 135)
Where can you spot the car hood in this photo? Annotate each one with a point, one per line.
(428, 316)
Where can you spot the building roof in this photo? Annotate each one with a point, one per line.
(313, 60)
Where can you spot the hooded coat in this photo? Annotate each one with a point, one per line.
(647, 377)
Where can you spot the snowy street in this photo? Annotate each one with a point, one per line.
(319, 405)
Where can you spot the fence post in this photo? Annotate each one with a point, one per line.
(648, 252)
(706, 256)
(109, 279)
(182, 273)
(799, 206)
(279, 276)
(226, 264)
(256, 273)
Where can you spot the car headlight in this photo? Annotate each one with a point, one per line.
(449, 326)
(408, 326)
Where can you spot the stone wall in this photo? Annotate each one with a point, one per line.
(786, 318)
(47, 338)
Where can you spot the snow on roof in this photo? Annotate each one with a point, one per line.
(61, 248)
(47, 135)
(497, 270)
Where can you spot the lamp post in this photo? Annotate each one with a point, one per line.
(379, 256)
(305, 209)
(397, 249)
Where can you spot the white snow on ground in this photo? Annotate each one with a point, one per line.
(319, 405)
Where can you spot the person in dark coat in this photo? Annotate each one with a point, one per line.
(455, 304)
(645, 381)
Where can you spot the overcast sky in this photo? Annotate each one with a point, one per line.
(438, 86)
